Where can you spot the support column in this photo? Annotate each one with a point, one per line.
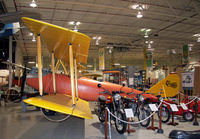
(39, 53)
(53, 72)
(10, 60)
(71, 63)
(76, 78)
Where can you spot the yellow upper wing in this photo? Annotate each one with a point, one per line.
(57, 40)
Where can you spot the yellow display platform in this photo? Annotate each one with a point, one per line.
(63, 104)
(169, 85)
(57, 40)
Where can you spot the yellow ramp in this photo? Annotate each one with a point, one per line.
(171, 86)
(63, 104)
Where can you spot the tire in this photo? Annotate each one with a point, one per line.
(101, 116)
(54, 116)
(48, 112)
(143, 114)
(188, 116)
(165, 114)
(120, 126)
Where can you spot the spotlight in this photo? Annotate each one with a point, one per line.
(139, 15)
(33, 4)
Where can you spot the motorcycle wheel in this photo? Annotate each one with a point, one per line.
(188, 116)
(165, 114)
(101, 116)
(119, 125)
(143, 114)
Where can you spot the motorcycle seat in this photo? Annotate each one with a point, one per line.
(181, 134)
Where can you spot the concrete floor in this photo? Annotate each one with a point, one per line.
(15, 124)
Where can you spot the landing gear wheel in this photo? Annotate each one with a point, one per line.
(188, 116)
(54, 116)
(165, 114)
(119, 125)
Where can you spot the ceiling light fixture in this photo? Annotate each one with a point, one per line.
(89, 66)
(139, 14)
(117, 64)
(33, 40)
(198, 40)
(31, 62)
(146, 36)
(30, 34)
(33, 4)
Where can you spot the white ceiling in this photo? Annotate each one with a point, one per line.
(174, 21)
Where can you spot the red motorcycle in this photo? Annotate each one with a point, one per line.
(188, 115)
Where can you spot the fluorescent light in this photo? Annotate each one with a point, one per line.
(123, 66)
(31, 62)
(134, 6)
(148, 30)
(89, 66)
(71, 22)
(116, 64)
(146, 36)
(33, 4)
(99, 38)
(94, 37)
(139, 15)
(76, 30)
(143, 29)
(198, 40)
(78, 23)
(30, 34)
(190, 48)
(191, 44)
(197, 35)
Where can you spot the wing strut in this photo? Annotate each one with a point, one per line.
(53, 72)
(76, 82)
(71, 63)
(39, 51)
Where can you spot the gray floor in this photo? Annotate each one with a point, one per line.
(15, 124)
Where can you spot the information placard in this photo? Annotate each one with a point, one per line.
(173, 107)
(129, 113)
(184, 106)
(153, 107)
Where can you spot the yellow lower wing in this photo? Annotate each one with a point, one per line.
(63, 104)
(169, 85)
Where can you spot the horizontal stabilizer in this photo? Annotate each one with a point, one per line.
(63, 104)
(169, 85)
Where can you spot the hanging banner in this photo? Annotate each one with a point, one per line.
(101, 59)
(149, 59)
(185, 54)
(188, 79)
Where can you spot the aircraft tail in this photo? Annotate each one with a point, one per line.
(169, 85)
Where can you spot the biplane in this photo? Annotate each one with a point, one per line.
(60, 92)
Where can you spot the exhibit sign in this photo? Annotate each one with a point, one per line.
(101, 59)
(188, 79)
(185, 54)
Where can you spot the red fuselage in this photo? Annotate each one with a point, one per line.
(87, 88)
